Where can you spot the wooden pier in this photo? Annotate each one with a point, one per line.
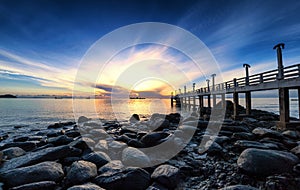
(282, 78)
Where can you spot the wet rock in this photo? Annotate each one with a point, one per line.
(244, 144)
(263, 132)
(117, 146)
(49, 185)
(48, 154)
(282, 182)
(13, 152)
(128, 178)
(56, 126)
(154, 138)
(166, 175)
(69, 160)
(87, 186)
(112, 166)
(82, 119)
(27, 146)
(156, 186)
(72, 134)
(211, 148)
(98, 133)
(158, 123)
(239, 187)
(82, 143)
(235, 129)
(45, 171)
(243, 136)
(98, 158)
(101, 145)
(80, 172)
(296, 150)
(60, 140)
(134, 157)
(21, 139)
(291, 134)
(266, 162)
(134, 118)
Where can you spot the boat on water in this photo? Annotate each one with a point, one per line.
(136, 98)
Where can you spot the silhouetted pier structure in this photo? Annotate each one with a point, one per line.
(282, 78)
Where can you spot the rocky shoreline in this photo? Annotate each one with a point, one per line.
(93, 155)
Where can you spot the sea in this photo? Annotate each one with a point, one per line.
(39, 112)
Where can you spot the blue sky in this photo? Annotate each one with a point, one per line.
(42, 42)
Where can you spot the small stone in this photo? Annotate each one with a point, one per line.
(166, 175)
(80, 172)
(134, 118)
(82, 119)
(112, 166)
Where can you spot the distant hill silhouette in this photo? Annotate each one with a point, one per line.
(7, 96)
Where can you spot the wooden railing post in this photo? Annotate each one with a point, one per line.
(234, 82)
(279, 48)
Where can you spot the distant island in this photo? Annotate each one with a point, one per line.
(7, 96)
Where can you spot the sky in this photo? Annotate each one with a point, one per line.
(44, 43)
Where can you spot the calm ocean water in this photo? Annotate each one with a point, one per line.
(42, 112)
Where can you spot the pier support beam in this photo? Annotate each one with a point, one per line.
(235, 104)
(208, 101)
(299, 103)
(223, 100)
(284, 107)
(248, 103)
(194, 103)
(214, 100)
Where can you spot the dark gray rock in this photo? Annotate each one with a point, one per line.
(134, 157)
(112, 166)
(49, 185)
(166, 175)
(72, 133)
(243, 136)
(13, 152)
(239, 187)
(98, 158)
(266, 162)
(132, 178)
(45, 171)
(83, 119)
(263, 132)
(21, 139)
(80, 172)
(156, 186)
(27, 146)
(211, 148)
(244, 144)
(235, 129)
(134, 118)
(158, 123)
(83, 143)
(296, 150)
(60, 140)
(87, 186)
(291, 134)
(154, 138)
(48, 154)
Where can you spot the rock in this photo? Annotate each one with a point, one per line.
(69, 160)
(244, 144)
(166, 175)
(112, 166)
(296, 150)
(98, 133)
(13, 152)
(21, 139)
(98, 158)
(117, 146)
(266, 162)
(83, 143)
(134, 118)
(235, 129)
(291, 134)
(48, 154)
(45, 171)
(60, 140)
(72, 134)
(82, 119)
(158, 123)
(156, 186)
(243, 136)
(55, 126)
(132, 178)
(80, 172)
(49, 185)
(87, 186)
(27, 146)
(134, 157)
(211, 148)
(154, 138)
(101, 145)
(239, 187)
(263, 132)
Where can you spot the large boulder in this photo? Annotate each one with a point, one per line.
(154, 138)
(296, 150)
(60, 140)
(45, 171)
(134, 118)
(134, 157)
(49, 185)
(48, 154)
(112, 166)
(132, 178)
(80, 172)
(266, 162)
(27, 146)
(166, 175)
(263, 132)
